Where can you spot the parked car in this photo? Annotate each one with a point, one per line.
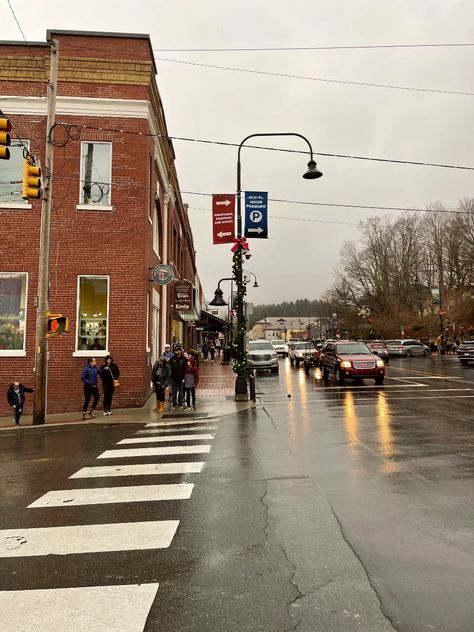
(378, 347)
(281, 347)
(351, 359)
(407, 347)
(301, 351)
(465, 352)
(262, 355)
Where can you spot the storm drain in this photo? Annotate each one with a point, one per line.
(186, 415)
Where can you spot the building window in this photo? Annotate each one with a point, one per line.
(11, 175)
(96, 173)
(92, 314)
(156, 226)
(13, 292)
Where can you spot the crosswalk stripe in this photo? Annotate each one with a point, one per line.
(97, 608)
(158, 451)
(106, 495)
(168, 438)
(140, 469)
(179, 422)
(170, 430)
(91, 538)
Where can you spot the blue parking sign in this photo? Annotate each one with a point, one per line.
(256, 214)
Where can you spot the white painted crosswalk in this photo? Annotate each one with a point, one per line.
(106, 495)
(82, 609)
(106, 608)
(140, 469)
(168, 438)
(91, 538)
(158, 451)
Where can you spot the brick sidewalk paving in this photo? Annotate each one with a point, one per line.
(215, 379)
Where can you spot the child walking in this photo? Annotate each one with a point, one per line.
(191, 379)
(16, 398)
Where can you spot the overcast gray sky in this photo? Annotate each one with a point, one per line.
(298, 259)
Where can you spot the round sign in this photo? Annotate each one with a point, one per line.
(162, 274)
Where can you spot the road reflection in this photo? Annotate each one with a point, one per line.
(351, 421)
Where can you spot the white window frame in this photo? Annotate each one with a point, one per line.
(155, 222)
(94, 207)
(17, 353)
(147, 320)
(88, 353)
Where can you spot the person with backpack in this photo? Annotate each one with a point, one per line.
(178, 365)
(16, 399)
(160, 378)
(191, 380)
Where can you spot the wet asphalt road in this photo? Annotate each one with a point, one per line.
(337, 509)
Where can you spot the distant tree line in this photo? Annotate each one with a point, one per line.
(409, 275)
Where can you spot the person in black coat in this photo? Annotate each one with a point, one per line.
(16, 398)
(178, 364)
(109, 375)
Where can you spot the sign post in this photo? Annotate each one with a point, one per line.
(256, 214)
(223, 218)
(183, 296)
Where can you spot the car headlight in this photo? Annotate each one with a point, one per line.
(380, 363)
(345, 364)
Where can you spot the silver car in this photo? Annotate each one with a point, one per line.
(407, 347)
(280, 346)
(262, 355)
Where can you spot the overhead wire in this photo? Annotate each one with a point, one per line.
(321, 79)
(306, 48)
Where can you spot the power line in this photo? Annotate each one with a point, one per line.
(303, 48)
(291, 151)
(322, 79)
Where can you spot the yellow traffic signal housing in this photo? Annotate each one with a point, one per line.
(57, 325)
(31, 181)
(5, 141)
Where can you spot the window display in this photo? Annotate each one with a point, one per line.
(12, 310)
(92, 313)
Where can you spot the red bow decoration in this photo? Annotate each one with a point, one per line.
(240, 242)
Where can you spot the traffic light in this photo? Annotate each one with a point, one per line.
(57, 324)
(31, 180)
(5, 127)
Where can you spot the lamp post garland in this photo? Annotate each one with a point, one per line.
(240, 246)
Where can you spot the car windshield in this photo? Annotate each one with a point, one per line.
(278, 342)
(358, 348)
(394, 342)
(260, 346)
(304, 345)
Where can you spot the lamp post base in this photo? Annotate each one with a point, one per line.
(241, 394)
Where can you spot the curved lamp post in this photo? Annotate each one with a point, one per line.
(240, 362)
(248, 281)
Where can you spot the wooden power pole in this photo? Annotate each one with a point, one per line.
(41, 349)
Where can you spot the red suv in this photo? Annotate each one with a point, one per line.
(350, 359)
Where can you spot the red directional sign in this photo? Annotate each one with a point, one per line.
(223, 218)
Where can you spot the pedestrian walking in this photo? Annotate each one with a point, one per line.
(212, 350)
(191, 380)
(89, 376)
(218, 347)
(205, 351)
(109, 375)
(194, 354)
(160, 377)
(16, 399)
(178, 369)
(167, 353)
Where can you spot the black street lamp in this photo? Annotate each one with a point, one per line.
(240, 362)
(248, 281)
(218, 300)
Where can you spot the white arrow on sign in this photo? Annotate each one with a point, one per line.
(255, 230)
(221, 234)
(223, 203)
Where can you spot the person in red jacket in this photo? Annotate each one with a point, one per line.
(191, 380)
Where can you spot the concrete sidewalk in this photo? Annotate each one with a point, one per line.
(214, 396)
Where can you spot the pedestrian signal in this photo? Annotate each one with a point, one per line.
(31, 180)
(5, 127)
(57, 324)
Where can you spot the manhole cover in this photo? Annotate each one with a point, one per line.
(185, 415)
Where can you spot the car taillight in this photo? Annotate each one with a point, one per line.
(400, 348)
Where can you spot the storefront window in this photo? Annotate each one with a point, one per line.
(92, 330)
(13, 288)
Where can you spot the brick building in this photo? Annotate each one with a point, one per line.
(117, 213)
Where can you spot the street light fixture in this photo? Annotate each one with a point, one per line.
(248, 281)
(240, 362)
(218, 300)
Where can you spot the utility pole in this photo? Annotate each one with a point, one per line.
(41, 349)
